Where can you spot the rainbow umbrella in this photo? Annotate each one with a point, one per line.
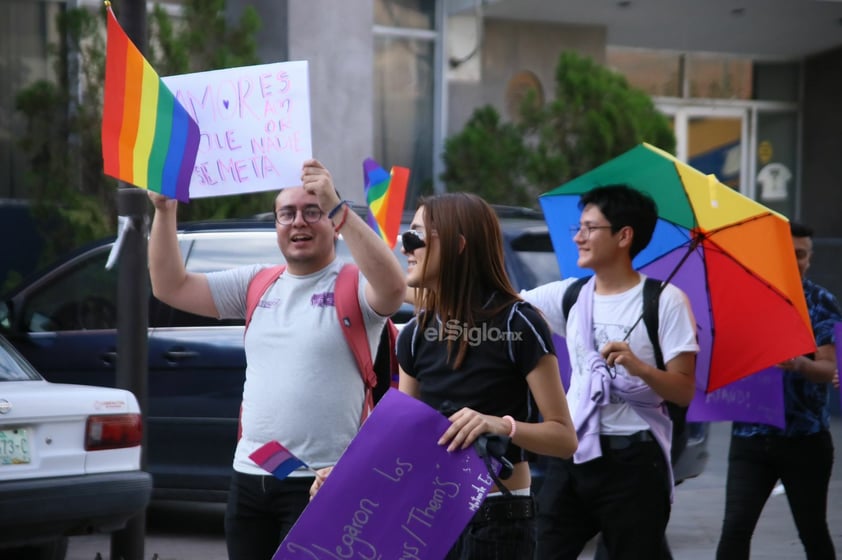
(733, 258)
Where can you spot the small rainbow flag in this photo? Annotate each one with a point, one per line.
(385, 194)
(277, 459)
(148, 138)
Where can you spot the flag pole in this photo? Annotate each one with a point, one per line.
(133, 300)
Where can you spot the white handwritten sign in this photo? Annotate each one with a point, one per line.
(254, 123)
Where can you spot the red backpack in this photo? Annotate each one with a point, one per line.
(378, 373)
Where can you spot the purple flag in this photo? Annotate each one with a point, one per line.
(757, 398)
(395, 493)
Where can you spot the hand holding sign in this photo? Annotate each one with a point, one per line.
(395, 493)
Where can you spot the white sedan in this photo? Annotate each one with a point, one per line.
(70, 459)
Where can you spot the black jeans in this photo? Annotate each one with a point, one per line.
(755, 464)
(503, 529)
(261, 511)
(624, 494)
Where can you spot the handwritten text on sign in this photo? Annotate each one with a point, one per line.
(394, 493)
(756, 398)
(254, 123)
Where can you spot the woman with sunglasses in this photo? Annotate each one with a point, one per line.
(477, 351)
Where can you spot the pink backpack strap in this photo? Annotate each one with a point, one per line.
(257, 287)
(353, 327)
(260, 282)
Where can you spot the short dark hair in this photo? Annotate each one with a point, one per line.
(800, 230)
(624, 206)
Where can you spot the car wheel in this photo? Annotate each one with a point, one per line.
(53, 550)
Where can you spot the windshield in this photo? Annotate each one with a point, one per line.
(543, 267)
(535, 253)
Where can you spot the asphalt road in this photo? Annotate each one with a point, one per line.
(193, 531)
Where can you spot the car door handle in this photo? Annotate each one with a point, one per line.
(110, 358)
(178, 355)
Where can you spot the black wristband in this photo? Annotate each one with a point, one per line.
(337, 208)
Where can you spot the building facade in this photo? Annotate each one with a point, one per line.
(393, 78)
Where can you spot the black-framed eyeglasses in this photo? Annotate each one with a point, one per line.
(412, 239)
(585, 230)
(311, 215)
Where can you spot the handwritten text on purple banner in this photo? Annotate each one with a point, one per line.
(395, 493)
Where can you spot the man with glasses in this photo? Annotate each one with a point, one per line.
(302, 386)
(619, 481)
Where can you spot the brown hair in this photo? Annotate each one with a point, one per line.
(469, 277)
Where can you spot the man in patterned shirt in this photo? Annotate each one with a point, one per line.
(801, 454)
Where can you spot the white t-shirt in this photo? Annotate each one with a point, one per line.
(613, 316)
(302, 385)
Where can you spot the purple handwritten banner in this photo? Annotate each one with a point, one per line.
(395, 493)
(757, 398)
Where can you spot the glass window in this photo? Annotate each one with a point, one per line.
(776, 81)
(714, 146)
(81, 298)
(776, 161)
(535, 252)
(658, 73)
(415, 14)
(12, 366)
(403, 109)
(714, 77)
(212, 252)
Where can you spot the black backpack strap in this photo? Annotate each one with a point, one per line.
(571, 295)
(386, 361)
(678, 414)
(651, 299)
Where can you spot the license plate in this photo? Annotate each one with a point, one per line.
(14, 447)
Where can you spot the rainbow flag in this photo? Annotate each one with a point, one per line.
(148, 138)
(276, 459)
(385, 194)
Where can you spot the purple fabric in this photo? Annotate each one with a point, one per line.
(395, 493)
(585, 411)
(690, 277)
(563, 360)
(758, 398)
(600, 384)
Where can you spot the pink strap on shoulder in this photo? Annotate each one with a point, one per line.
(353, 327)
(258, 286)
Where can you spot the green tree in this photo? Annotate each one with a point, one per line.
(72, 199)
(595, 116)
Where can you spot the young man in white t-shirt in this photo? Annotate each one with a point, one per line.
(619, 482)
(302, 386)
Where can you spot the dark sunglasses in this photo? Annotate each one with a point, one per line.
(412, 240)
